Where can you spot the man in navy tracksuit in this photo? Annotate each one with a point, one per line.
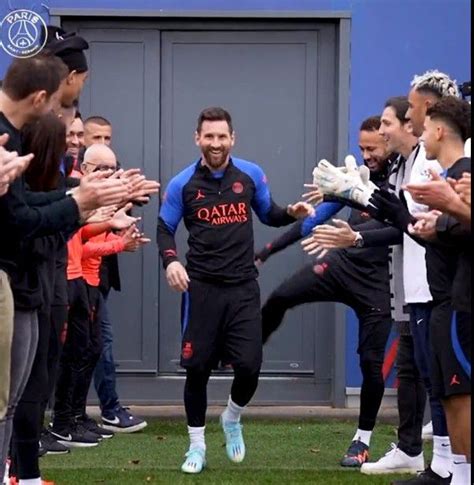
(221, 300)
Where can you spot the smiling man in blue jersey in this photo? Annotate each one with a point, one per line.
(221, 318)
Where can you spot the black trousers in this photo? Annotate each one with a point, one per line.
(59, 315)
(81, 352)
(411, 397)
(336, 279)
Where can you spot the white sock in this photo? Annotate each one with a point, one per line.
(363, 436)
(196, 437)
(232, 412)
(30, 481)
(461, 471)
(442, 462)
(6, 477)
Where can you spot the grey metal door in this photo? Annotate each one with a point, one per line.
(280, 89)
(124, 86)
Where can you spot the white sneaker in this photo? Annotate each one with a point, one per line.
(427, 431)
(395, 461)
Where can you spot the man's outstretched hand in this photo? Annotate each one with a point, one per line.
(300, 210)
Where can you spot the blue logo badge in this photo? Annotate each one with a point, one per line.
(21, 33)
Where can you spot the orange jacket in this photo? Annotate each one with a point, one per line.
(74, 256)
(92, 252)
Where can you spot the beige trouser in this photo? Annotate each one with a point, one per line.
(6, 335)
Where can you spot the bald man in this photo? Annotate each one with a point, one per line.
(98, 157)
(114, 416)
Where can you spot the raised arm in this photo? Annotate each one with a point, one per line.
(299, 230)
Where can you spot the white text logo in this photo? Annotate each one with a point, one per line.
(20, 33)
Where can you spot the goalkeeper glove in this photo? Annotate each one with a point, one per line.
(349, 182)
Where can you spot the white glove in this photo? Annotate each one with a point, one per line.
(349, 168)
(349, 182)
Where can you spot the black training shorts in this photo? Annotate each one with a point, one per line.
(221, 323)
(450, 334)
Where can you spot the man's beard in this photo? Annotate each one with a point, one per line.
(373, 165)
(215, 159)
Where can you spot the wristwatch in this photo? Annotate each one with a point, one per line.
(359, 240)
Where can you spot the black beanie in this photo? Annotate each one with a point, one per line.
(69, 47)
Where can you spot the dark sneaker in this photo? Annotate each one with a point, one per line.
(75, 436)
(89, 424)
(356, 455)
(49, 445)
(427, 477)
(122, 421)
(82, 429)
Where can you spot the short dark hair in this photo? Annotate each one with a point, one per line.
(214, 114)
(30, 75)
(455, 112)
(372, 123)
(98, 120)
(46, 138)
(400, 105)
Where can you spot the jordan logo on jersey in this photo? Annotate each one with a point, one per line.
(200, 195)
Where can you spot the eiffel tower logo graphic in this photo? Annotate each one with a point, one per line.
(20, 33)
(23, 38)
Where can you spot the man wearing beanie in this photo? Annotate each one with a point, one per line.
(70, 48)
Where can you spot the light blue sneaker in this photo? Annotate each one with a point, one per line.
(195, 461)
(234, 441)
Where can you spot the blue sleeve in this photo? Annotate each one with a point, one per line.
(262, 199)
(172, 208)
(323, 212)
(262, 203)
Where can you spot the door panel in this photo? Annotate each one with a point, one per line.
(272, 84)
(123, 86)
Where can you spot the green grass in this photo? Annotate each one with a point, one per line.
(278, 452)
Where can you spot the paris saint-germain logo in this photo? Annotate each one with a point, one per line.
(21, 33)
